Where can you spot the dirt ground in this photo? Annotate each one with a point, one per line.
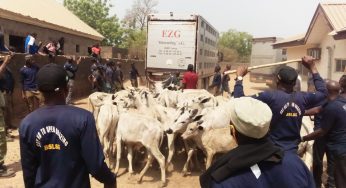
(151, 178)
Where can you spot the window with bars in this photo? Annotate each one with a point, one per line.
(314, 52)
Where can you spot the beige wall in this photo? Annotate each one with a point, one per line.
(46, 35)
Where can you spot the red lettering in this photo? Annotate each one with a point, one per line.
(170, 34)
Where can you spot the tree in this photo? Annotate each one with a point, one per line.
(135, 42)
(136, 17)
(96, 14)
(241, 42)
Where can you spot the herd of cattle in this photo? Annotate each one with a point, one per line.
(144, 117)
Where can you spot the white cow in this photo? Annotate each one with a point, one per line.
(134, 128)
(210, 141)
(108, 117)
(305, 148)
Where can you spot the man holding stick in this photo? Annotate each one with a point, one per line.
(288, 106)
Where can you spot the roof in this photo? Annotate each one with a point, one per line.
(48, 14)
(264, 39)
(335, 13)
(290, 41)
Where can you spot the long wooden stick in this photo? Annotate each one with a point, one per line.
(266, 65)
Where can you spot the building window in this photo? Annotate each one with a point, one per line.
(200, 51)
(17, 43)
(315, 53)
(77, 48)
(202, 24)
(284, 51)
(340, 65)
(202, 38)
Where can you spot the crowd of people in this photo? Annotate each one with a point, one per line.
(267, 126)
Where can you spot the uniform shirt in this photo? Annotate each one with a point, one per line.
(7, 81)
(71, 70)
(225, 80)
(59, 147)
(290, 173)
(288, 110)
(133, 73)
(109, 74)
(190, 80)
(28, 77)
(217, 79)
(334, 122)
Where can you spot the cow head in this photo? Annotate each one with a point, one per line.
(182, 118)
(193, 129)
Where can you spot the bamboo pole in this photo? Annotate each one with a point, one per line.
(266, 65)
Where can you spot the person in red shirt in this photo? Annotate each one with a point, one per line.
(96, 51)
(190, 78)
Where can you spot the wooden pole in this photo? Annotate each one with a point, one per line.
(266, 65)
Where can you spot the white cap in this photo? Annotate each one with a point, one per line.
(250, 117)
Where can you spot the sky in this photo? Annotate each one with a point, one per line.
(261, 18)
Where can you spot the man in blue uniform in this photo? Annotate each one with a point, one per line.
(30, 93)
(319, 147)
(59, 144)
(288, 106)
(71, 70)
(256, 162)
(334, 127)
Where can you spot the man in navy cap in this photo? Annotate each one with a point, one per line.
(288, 106)
(59, 144)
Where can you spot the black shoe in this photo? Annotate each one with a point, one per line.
(6, 173)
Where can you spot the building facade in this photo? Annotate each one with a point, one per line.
(325, 40)
(49, 20)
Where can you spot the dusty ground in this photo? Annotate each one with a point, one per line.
(151, 178)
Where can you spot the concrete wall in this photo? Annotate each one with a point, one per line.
(82, 85)
(114, 52)
(45, 35)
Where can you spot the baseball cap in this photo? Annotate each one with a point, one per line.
(51, 77)
(287, 75)
(250, 116)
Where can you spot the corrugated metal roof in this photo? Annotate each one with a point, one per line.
(336, 14)
(49, 11)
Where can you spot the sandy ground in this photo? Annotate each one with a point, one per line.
(151, 178)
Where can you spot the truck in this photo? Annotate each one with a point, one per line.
(263, 53)
(176, 40)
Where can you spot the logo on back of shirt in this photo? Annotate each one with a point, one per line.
(294, 113)
(50, 130)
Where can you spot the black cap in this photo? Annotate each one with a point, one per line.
(287, 75)
(51, 77)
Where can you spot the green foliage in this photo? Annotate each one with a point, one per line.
(241, 42)
(96, 14)
(135, 41)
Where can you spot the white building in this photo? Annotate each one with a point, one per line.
(325, 40)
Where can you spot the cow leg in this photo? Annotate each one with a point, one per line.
(210, 156)
(129, 158)
(118, 154)
(186, 165)
(146, 167)
(171, 150)
(161, 160)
